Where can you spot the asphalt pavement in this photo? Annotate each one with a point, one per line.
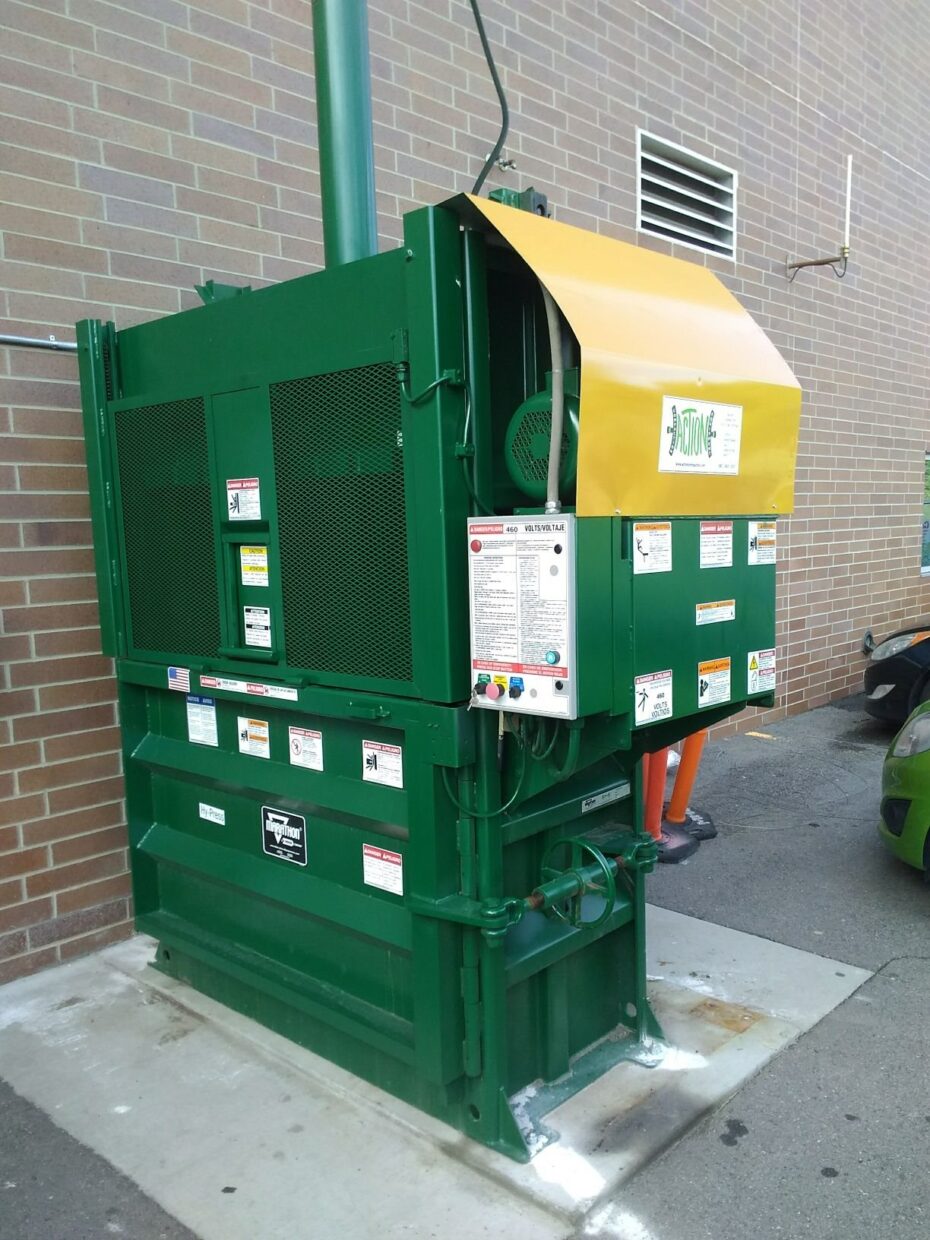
(832, 1140)
(54, 1188)
(798, 858)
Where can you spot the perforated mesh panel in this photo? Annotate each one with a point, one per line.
(168, 527)
(341, 522)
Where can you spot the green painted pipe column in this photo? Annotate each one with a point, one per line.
(343, 104)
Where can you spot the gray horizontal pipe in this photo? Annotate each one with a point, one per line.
(38, 342)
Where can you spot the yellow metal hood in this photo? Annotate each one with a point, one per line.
(686, 406)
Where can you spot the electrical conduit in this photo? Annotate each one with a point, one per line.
(554, 322)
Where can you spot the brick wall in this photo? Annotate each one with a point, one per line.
(143, 154)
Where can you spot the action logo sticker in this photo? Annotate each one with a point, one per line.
(284, 835)
(699, 437)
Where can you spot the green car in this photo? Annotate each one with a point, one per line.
(905, 810)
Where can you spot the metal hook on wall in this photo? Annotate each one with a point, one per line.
(838, 263)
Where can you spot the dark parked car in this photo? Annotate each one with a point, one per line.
(897, 678)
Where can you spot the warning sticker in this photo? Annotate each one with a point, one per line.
(253, 565)
(762, 542)
(179, 678)
(382, 764)
(716, 544)
(212, 813)
(257, 626)
(713, 678)
(253, 737)
(712, 613)
(305, 747)
(605, 798)
(284, 835)
(201, 720)
(699, 437)
(255, 688)
(652, 546)
(243, 499)
(382, 868)
(653, 697)
(760, 671)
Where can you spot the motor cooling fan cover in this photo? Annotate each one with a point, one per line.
(526, 448)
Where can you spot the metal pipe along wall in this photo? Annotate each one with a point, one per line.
(343, 98)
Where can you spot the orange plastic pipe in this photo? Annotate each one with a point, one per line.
(687, 773)
(645, 764)
(654, 795)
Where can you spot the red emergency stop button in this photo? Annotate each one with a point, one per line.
(494, 691)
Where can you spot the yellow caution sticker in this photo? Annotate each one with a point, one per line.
(713, 682)
(253, 565)
(714, 613)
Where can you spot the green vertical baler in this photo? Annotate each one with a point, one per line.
(384, 697)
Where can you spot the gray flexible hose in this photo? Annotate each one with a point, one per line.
(554, 321)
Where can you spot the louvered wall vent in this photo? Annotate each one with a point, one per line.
(685, 197)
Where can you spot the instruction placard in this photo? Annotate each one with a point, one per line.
(253, 566)
(713, 682)
(699, 437)
(652, 547)
(521, 581)
(382, 764)
(243, 499)
(305, 748)
(652, 695)
(714, 613)
(760, 671)
(383, 868)
(201, 720)
(253, 737)
(257, 622)
(212, 813)
(762, 542)
(716, 544)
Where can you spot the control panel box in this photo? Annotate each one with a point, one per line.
(521, 582)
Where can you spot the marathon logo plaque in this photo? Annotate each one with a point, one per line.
(284, 835)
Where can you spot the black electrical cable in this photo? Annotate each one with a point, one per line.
(505, 111)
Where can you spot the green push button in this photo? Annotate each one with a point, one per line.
(552, 657)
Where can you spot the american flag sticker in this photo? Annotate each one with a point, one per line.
(179, 678)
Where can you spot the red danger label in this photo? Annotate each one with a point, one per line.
(535, 669)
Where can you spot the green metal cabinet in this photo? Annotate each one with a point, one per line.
(324, 833)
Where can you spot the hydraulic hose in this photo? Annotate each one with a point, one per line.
(554, 322)
(566, 768)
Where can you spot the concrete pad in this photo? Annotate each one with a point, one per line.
(239, 1133)
(734, 967)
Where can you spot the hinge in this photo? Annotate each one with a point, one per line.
(400, 343)
(109, 356)
(359, 710)
(471, 1007)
